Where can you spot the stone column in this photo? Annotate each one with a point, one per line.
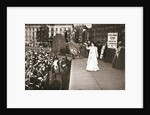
(32, 34)
(49, 31)
(54, 31)
(71, 29)
(35, 30)
(58, 29)
(27, 33)
(63, 31)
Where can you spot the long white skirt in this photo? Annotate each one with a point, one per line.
(92, 63)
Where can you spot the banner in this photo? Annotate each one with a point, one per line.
(112, 40)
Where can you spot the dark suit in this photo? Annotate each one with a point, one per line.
(99, 47)
(55, 85)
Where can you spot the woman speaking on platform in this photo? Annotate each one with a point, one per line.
(92, 63)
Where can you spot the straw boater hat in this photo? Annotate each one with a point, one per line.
(40, 78)
(119, 42)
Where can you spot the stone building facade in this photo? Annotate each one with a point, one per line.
(31, 30)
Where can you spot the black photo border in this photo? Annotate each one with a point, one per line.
(104, 3)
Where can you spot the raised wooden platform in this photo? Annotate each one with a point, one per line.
(107, 78)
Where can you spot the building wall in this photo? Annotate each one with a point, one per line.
(85, 36)
(31, 30)
(99, 32)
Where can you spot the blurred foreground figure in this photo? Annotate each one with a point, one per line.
(73, 49)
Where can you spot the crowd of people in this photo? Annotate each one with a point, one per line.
(100, 48)
(44, 70)
(119, 57)
(114, 56)
(38, 44)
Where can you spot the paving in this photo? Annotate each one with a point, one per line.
(107, 78)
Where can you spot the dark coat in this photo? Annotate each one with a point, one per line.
(55, 85)
(31, 86)
(119, 61)
(109, 54)
(99, 47)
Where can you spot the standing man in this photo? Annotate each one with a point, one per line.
(66, 36)
(87, 51)
(99, 47)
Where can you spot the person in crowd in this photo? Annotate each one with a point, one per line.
(102, 51)
(99, 47)
(119, 58)
(82, 51)
(85, 52)
(65, 71)
(108, 54)
(56, 65)
(44, 65)
(55, 85)
(31, 85)
(26, 87)
(38, 84)
(88, 43)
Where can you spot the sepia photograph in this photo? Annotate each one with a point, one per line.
(75, 56)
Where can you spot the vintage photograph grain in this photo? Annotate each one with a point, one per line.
(75, 56)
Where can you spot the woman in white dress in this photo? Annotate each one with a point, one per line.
(92, 63)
